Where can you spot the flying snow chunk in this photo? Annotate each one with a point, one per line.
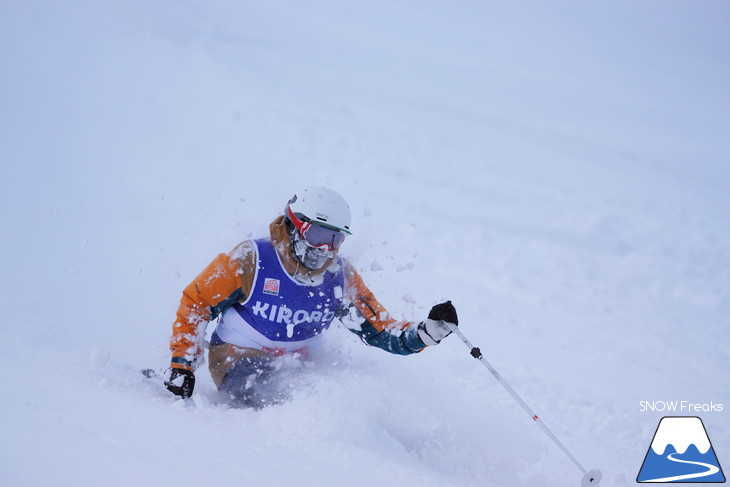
(99, 357)
(375, 266)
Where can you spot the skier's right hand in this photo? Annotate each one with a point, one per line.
(180, 382)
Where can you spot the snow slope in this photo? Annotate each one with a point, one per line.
(560, 171)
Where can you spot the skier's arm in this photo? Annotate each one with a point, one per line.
(375, 326)
(225, 281)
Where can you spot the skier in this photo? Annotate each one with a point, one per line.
(275, 296)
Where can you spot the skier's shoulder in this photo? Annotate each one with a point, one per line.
(345, 265)
(244, 259)
(243, 251)
(351, 278)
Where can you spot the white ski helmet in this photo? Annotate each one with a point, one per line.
(322, 206)
(318, 220)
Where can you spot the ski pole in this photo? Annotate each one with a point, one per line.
(590, 477)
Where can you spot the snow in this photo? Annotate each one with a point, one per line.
(558, 170)
(680, 432)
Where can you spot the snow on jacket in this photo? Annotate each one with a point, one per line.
(229, 281)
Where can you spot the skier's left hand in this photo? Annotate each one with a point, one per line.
(438, 325)
(180, 382)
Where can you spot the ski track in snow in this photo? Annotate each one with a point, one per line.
(711, 469)
(558, 171)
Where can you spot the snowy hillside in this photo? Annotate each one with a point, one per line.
(560, 170)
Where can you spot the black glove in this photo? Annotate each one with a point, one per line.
(444, 312)
(181, 382)
(437, 327)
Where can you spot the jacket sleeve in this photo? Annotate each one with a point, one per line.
(219, 286)
(372, 322)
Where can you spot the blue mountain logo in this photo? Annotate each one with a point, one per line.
(681, 452)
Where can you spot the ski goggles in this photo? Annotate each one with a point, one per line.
(316, 234)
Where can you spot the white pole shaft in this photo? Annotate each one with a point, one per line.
(476, 353)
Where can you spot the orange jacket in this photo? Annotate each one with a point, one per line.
(229, 279)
